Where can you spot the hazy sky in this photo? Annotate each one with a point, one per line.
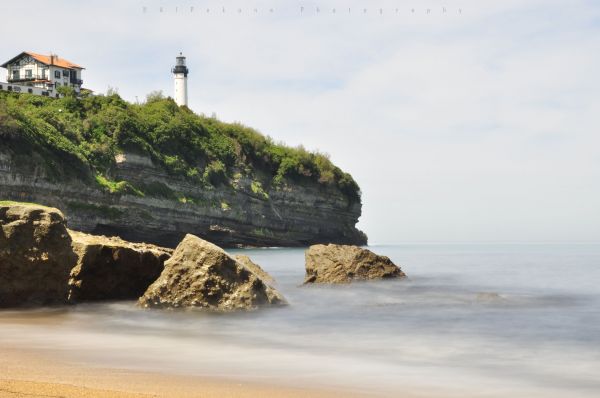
(478, 125)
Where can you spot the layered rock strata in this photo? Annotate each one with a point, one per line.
(239, 214)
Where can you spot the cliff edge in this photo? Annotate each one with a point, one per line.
(154, 172)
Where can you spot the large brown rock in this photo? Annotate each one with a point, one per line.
(113, 269)
(344, 264)
(252, 266)
(202, 275)
(35, 256)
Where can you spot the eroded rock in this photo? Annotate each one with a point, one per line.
(109, 268)
(344, 264)
(252, 266)
(35, 256)
(201, 275)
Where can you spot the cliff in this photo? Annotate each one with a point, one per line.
(155, 172)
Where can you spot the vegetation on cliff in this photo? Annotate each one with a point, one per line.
(80, 138)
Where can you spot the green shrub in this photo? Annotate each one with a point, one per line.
(117, 187)
(79, 138)
(257, 189)
(215, 173)
(154, 96)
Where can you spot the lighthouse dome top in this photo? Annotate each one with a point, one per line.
(180, 65)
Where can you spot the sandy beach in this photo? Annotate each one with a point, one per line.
(33, 374)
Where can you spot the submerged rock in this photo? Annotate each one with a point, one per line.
(113, 269)
(343, 264)
(489, 298)
(35, 256)
(200, 274)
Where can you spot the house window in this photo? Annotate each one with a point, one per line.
(28, 73)
(16, 74)
(57, 74)
(30, 90)
(65, 73)
(44, 73)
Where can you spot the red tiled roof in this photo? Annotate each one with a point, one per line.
(48, 60)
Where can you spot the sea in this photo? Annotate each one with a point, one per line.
(470, 320)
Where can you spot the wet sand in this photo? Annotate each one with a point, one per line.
(33, 374)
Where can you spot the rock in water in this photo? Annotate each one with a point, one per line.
(252, 266)
(202, 275)
(35, 256)
(113, 269)
(489, 298)
(344, 264)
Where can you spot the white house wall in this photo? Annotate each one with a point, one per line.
(37, 68)
(19, 88)
(33, 65)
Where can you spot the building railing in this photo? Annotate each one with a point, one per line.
(41, 78)
(26, 79)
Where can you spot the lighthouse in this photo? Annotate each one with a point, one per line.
(180, 71)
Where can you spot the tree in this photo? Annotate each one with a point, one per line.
(156, 95)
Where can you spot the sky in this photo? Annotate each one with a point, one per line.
(479, 123)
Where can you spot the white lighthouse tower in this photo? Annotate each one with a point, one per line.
(180, 71)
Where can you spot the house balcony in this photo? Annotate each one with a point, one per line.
(26, 79)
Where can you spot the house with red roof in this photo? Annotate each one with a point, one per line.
(41, 74)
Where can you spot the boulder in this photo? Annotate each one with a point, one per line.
(202, 275)
(343, 264)
(252, 266)
(113, 269)
(35, 255)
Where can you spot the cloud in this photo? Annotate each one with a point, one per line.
(473, 126)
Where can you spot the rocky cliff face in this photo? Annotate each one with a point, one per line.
(290, 214)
